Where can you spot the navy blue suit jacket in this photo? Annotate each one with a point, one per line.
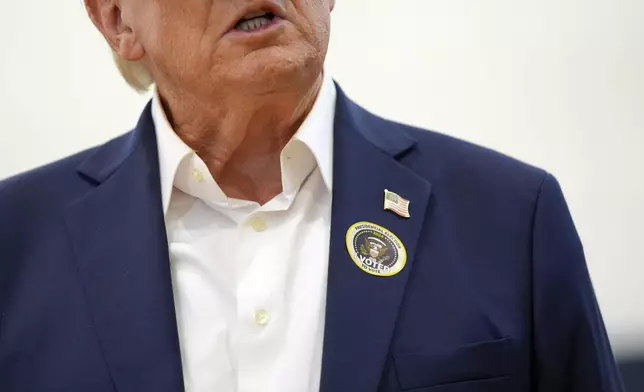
(495, 295)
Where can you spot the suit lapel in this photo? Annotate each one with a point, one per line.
(361, 308)
(118, 235)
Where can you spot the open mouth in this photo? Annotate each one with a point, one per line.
(256, 21)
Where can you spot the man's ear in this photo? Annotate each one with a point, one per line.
(106, 16)
(332, 5)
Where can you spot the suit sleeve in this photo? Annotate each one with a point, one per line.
(571, 349)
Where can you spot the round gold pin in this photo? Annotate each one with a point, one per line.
(375, 250)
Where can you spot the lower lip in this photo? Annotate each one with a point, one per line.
(272, 25)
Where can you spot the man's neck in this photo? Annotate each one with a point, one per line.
(240, 136)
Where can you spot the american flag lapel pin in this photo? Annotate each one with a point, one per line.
(396, 204)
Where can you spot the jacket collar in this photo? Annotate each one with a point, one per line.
(106, 159)
(387, 136)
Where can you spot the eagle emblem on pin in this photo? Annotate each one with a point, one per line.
(375, 250)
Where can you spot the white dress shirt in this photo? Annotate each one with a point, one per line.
(249, 281)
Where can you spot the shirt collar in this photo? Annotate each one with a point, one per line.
(172, 150)
(315, 134)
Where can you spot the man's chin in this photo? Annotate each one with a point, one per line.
(275, 69)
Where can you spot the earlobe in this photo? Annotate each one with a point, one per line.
(129, 47)
(332, 5)
(106, 16)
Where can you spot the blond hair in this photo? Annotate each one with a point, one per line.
(134, 73)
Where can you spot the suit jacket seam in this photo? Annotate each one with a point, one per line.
(533, 369)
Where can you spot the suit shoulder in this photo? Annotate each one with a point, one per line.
(47, 186)
(461, 159)
(38, 185)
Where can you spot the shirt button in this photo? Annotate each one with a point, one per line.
(258, 224)
(262, 317)
(197, 175)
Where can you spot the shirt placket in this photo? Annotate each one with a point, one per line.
(259, 300)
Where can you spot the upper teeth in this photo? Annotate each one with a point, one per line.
(252, 24)
(255, 14)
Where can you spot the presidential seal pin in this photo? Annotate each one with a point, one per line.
(376, 250)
